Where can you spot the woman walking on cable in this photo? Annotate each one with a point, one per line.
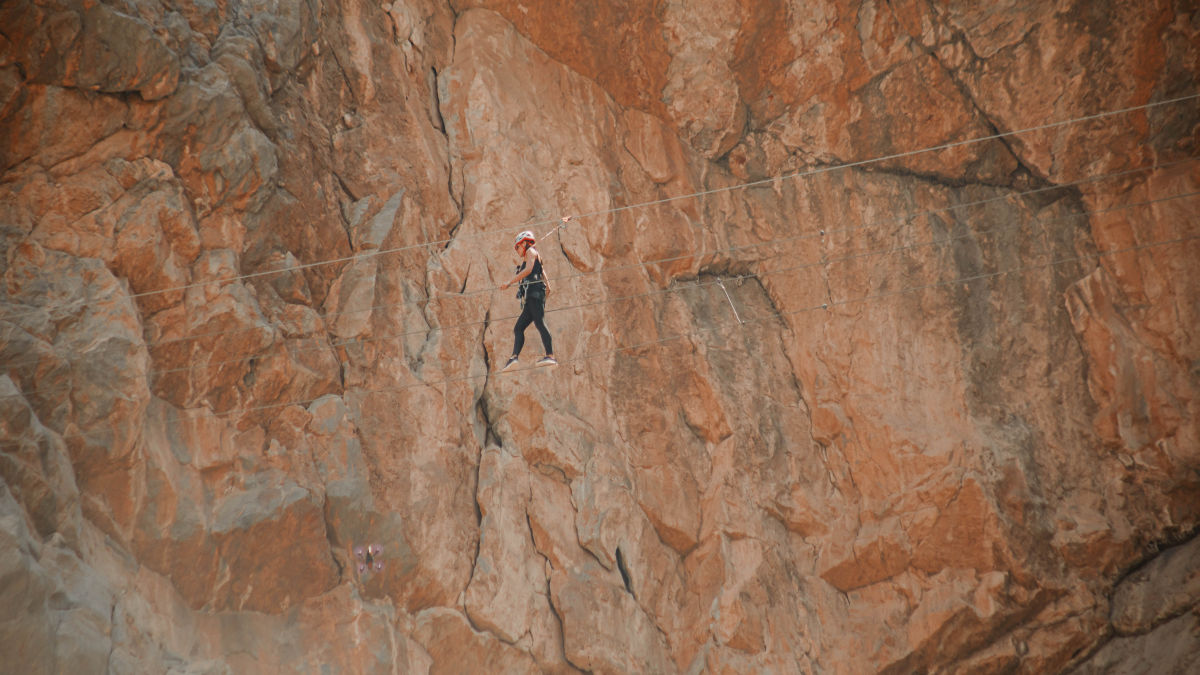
(532, 291)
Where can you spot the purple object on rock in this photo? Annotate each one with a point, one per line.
(368, 558)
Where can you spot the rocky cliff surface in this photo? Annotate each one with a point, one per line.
(825, 403)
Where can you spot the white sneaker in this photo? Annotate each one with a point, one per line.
(547, 361)
(512, 363)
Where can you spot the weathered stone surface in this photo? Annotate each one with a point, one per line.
(455, 647)
(1164, 587)
(920, 415)
(26, 627)
(89, 46)
(509, 578)
(1172, 648)
(35, 468)
(30, 133)
(604, 629)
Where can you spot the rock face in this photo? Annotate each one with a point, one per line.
(877, 333)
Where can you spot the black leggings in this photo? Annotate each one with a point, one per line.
(533, 312)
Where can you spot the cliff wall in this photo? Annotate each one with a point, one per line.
(825, 403)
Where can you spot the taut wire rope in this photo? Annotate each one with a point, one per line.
(825, 305)
(764, 181)
(820, 232)
(687, 334)
(824, 263)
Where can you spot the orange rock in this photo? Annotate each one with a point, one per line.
(604, 629)
(454, 647)
(918, 426)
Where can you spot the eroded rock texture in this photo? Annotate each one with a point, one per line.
(825, 403)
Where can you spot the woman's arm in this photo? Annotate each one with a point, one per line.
(524, 271)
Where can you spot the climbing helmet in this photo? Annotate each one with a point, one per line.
(524, 236)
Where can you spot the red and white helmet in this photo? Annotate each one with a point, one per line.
(524, 236)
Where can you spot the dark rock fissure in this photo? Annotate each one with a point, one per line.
(624, 571)
(1157, 548)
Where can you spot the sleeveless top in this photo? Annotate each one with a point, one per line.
(535, 282)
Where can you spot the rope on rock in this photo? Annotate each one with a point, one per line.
(764, 181)
(658, 261)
